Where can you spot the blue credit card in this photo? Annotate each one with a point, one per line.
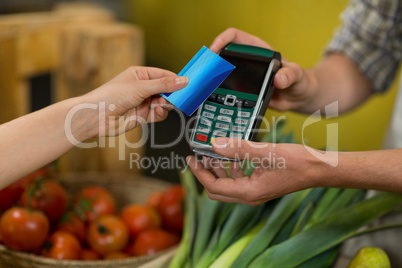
(206, 71)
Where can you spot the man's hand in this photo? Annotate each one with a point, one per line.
(281, 169)
(236, 36)
(296, 87)
(335, 78)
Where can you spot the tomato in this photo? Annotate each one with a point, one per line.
(48, 196)
(10, 195)
(116, 255)
(152, 241)
(62, 245)
(171, 208)
(107, 234)
(154, 199)
(71, 222)
(8, 198)
(95, 202)
(139, 218)
(88, 254)
(23, 229)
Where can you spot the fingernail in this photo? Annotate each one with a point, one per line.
(180, 80)
(220, 142)
(188, 159)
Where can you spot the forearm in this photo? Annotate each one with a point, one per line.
(37, 139)
(379, 170)
(336, 78)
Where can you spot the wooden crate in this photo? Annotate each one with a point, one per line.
(82, 46)
(30, 45)
(92, 55)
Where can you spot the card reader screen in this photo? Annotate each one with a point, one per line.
(247, 77)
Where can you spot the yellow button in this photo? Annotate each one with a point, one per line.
(212, 139)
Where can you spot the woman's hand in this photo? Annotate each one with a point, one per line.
(128, 100)
(132, 98)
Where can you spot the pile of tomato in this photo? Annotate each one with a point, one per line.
(39, 216)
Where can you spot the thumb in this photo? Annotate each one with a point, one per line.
(240, 149)
(288, 75)
(167, 84)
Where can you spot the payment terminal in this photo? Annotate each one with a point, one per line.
(236, 108)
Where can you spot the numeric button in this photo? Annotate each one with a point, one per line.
(225, 119)
(241, 121)
(203, 129)
(218, 133)
(206, 122)
(209, 107)
(226, 111)
(243, 114)
(222, 126)
(239, 129)
(208, 115)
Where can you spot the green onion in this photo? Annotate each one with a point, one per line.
(225, 235)
(327, 233)
(322, 260)
(330, 195)
(207, 218)
(341, 201)
(303, 229)
(182, 256)
(229, 256)
(277, 218)
(300, 215)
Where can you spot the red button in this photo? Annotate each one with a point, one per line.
(201, 137)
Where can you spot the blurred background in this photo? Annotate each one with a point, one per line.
(164, 34)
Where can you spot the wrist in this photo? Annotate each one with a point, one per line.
(308, 87)
(322, 167)
(82, 119)
(339, 170)
(311, 103)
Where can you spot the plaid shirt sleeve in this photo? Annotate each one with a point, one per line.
(371, 36)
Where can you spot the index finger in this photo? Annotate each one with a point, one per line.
(135, 73)
(156, 73)
(226, 37)
(233, 35)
